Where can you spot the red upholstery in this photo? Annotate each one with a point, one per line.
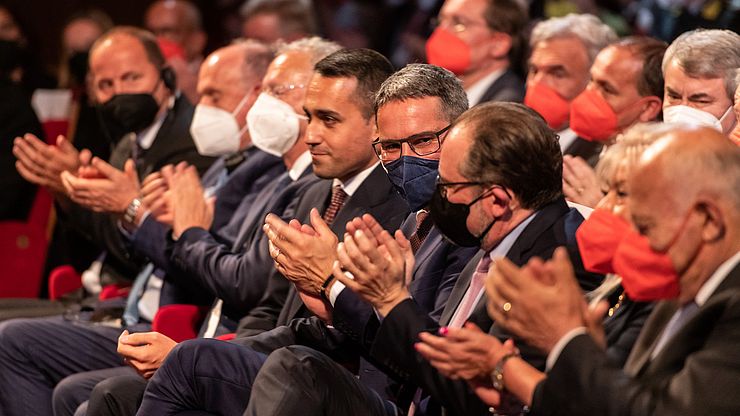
(227, 337)
(22, 254)
(62, 280)
(115, 291)
(179, 322)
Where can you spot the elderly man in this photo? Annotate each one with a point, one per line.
(563, 50)
(481, 41)
(414, 108)
(179, 21)
(626, 88)
(340, 130)
(487, 196)
(686, 359)
(271, 20)
(701, 76)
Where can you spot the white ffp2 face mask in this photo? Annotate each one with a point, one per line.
(215, 131)
(690, 115)
(273, 125)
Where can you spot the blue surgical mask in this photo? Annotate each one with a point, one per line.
(414, 178)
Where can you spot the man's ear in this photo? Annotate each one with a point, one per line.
(500, 203)
(652, 106)
(713, 228)
(501, 44)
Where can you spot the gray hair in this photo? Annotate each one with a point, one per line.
(424, 80)
(257, 57)
(707, 53)
(594, 34)
(628, 148)
(315, 46)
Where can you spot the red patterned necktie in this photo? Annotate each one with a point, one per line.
(338, 196)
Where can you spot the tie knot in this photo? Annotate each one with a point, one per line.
(338, 196)
(484, 264)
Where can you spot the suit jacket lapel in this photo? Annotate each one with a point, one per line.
(639, 360)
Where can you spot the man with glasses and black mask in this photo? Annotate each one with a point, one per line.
(490, 194)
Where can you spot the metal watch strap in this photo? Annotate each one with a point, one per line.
(129, 216)
(497, 376)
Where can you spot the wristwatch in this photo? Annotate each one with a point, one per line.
(497, 375)
(129, 216)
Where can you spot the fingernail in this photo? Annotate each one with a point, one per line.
(416, 346)
(443, 331)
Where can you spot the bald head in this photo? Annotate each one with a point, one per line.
(689, 162)
(179, 21)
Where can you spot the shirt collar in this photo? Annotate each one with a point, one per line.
(503, 247)
(300, 165)
(567, 137)
(146, 137)
(350, 185)
(476, 91)
(719, 275)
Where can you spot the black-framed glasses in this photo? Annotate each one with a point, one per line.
(422, 144)
(443, 188)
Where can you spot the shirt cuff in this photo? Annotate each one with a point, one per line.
(554, 354)
(335, 291)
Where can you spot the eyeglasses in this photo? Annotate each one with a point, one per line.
(278, 91)
(422, 144)
(443, 187)
(454, 23)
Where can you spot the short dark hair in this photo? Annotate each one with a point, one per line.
(508, 16)
(650, 51)
(147, 39)
(512, 146)
(369, 67)
(421, 81)
(295, 16)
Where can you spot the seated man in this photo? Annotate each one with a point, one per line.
(626, 88)
(495, 202)
(482, 42)
(700, 69)
(686, 360)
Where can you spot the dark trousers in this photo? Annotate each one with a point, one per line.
(35, 354)
(119, 395)
(298, 380)
(203, 375)
(72, 393)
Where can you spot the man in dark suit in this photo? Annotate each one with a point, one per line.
(341, 127)
(626, 88)
(510, 213)
(482, 42)
(137, 96)
(686, 359)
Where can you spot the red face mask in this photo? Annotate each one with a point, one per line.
(646, 274)
(591, 117)
(546, 101)
(598, 238)
(448, 51)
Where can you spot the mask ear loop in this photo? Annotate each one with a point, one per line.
(729, 113)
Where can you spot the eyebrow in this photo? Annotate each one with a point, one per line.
(413, 136)
(328, 113)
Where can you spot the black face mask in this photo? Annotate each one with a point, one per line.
(126, 113)
(451, 220)
(77, 65)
